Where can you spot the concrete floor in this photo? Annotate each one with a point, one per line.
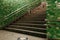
(6, 35)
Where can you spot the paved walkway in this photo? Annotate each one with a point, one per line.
(5, 35)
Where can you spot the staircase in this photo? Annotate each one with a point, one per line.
(30, 24)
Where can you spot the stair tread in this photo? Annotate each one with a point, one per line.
(27, 27)
(29, 24)
(38, 26)
(25, 30)
(41, 22)
(32, 21)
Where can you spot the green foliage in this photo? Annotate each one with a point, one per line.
(12, 9)
(53, 19)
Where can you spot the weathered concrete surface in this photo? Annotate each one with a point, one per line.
(6, 35)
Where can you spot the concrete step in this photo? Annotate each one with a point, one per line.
(29, 28)
(28, 24)
(29, 32)
(36, 22)
(31, 25)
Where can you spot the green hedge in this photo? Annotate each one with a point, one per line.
(11, 9)
(53, 19)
